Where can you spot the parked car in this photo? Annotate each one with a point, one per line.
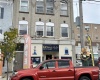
(57, 69)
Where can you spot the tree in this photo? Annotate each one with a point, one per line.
(9, 45)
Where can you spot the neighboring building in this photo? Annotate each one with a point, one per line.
(6, 8)
(49, 24)
(93, 30)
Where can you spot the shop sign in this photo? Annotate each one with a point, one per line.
(27, 52)
(51, 47)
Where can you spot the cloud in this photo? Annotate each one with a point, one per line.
(91, 12)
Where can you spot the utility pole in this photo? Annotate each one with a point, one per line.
(81, 25)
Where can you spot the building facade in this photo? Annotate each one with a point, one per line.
(6, 14)
(49, 24)
(92, 30)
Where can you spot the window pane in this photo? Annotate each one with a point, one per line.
(39, 29)
(1, 31)
(49, 30)
(49, 7)
(49, 10)
(24, 6)
(63, 12)
(63, 64)
(23, 29)
(63, 9)
(24, 3)
(39, 7)
(64, 31)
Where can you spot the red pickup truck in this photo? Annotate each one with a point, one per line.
(57, 69)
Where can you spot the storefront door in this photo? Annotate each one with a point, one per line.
(48, 57)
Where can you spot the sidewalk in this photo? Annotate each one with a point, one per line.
(4, 76)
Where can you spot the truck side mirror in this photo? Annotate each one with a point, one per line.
(41, 67)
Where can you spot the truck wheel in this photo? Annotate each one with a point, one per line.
(84, 78)
(26, 79)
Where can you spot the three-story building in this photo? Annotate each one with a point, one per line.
(49, 24)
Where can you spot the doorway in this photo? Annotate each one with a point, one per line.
(48, 57)
(18, 62)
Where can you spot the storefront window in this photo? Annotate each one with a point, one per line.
(35, 60)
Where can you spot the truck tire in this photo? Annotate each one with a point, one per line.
(26, 78)
(84, 78)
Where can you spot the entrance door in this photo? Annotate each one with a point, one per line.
(18, 63)
(48, 57)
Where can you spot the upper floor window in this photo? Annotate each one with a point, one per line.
(63, 8)
(49, 6)
(39, 6)
(64, 30)
(78, 35)
(0, 30)
(24, 5)
(1, 13)
(39, 29)
(50, 29)
(87, 28)
(23, 27)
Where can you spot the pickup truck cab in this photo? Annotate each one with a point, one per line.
(57, 69)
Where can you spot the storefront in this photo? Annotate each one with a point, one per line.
(41, 52)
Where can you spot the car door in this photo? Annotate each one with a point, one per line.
(48, 71)
(64, 71)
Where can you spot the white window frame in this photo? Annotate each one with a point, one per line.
(40, 6)
(49, 24)
(87, 28)
(78, 35)
(48, 8)
(66, 26)
(64, 9)
(39, 24)
(24, 6)
(22, 22)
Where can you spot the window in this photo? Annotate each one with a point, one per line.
(1, 13)
(64, 30)
(96, 37)
(63, 9)
(49, 65)
(39, 29)
(63, 63)
(49, 6)
(24, 5)
(87, 28)
(50, 29)
(39, 6)
(78, 35)
(0, 31)
(23, 27)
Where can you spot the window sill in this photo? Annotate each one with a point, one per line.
(44, 13)
(64, 37)
(23, 12)
(50, 36)
(64, 16)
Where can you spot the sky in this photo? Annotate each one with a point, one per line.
(91, 11)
